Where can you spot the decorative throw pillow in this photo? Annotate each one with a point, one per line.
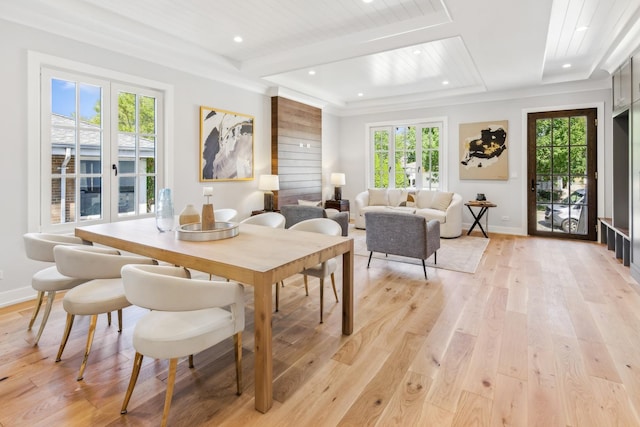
(378, 197)
(424, 199)
(309, 203)
(410, 200)
(441, 200)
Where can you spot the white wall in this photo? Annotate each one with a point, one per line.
(190, 92)
(331, 151)
(509, 195)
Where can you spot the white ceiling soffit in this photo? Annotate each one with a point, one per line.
(393, 52)
(585, 34)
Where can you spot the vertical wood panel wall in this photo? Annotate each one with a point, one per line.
(296, 150)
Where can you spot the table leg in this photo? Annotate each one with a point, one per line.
(347, 291)
(477, 218)
(263, 346)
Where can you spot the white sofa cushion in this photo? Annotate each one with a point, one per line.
(378, 197)
(424, 198)
(441, 200)
(310, 202)
(429, 214)
(396, 196)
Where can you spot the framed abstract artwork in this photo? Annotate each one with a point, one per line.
(483, 150)
(226, 145)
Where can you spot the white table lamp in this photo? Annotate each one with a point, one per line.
(268, 184)
(338, 179)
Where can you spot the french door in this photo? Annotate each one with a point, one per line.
(406, 156)
(562, 173)
(102, 142)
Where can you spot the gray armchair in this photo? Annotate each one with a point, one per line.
(293, 214)
(403, 234)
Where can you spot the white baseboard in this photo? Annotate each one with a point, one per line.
(495, 229)
(14, 296)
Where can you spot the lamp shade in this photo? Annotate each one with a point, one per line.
(338, 179)
(269, 183)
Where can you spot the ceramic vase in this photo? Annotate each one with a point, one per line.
(189, 215)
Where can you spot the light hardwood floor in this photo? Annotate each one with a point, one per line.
(545, 333)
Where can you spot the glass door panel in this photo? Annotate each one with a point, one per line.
(137, 153)
(381, 167)
(560, 165)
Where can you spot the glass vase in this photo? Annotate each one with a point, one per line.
(164, 210)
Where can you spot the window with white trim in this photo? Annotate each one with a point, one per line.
(101, 142)
(407, 155)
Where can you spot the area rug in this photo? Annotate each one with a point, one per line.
(460, 254)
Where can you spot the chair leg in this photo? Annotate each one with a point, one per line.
(137, 363)
(306, 285)
(424, 267)
(47, 310)
(36, 309)
(92, 331)
(65, 336)
(109, 318)
(370, 255)
(120, 320)
(277, 297)
(321, 299)
(435, 257)
(333, 284)
(237, 344)
(191, 361)
(171, 380)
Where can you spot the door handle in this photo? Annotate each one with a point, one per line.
(533, 186)
(115, 168)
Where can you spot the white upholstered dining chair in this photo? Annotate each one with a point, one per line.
(273, 220)
(102, 293)
(324, 269)
(49, 281)
(225, 214)
(268, 219)
(187, 316)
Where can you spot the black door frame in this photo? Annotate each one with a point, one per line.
(592, 174)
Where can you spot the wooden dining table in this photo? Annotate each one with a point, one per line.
(258, 256)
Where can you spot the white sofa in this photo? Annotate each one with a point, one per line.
(446, 207)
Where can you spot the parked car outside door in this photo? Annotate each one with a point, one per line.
(566, 213)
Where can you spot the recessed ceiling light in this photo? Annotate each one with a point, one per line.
(312, 72)
(583, 28)
(360, 94)
(445, 82)
(367, 1)
(417, 52)
(237, 39)
(566, 65)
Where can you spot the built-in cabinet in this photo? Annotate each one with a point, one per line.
(624, 225)
(621, 233)
(635, 188)
(635, 78)
(621, 88)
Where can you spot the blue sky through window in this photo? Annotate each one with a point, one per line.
(63, 98)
